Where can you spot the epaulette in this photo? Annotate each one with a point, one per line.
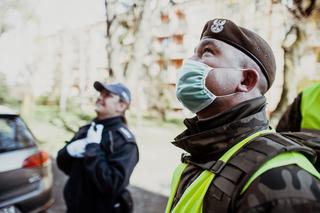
(126, 133)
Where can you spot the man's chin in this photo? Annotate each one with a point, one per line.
(98, 107)
(97, 110)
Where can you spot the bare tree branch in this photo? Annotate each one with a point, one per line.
(109, 49)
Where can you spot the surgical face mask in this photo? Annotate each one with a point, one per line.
(191, 89)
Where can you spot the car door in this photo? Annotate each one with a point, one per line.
(17, 145)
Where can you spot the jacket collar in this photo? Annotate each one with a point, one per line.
(212, 136)
(109, 122)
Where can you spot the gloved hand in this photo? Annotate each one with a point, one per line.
(94, 134)
(77, 148)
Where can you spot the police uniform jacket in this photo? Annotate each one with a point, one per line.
(97, 180)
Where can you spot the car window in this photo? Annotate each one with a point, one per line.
(14, 134)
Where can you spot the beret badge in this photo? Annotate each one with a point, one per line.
(217, 25)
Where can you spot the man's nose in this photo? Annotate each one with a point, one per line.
(99, 97)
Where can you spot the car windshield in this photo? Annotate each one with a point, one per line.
(14, 134)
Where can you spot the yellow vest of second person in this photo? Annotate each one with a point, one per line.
(310, 108)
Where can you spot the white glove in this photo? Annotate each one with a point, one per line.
(94, 134)
(77, 148)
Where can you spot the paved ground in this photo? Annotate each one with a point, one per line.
(59, 181)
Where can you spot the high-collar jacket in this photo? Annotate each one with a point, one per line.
(207, 140)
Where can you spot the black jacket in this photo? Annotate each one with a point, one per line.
(291, 119)
(97, 180)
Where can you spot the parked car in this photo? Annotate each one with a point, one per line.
(25, 171)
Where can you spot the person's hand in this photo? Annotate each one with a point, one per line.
(77, 148)
(94, 134)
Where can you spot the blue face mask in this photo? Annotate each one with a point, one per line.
(191, 89)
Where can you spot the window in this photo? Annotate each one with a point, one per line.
(14, 134)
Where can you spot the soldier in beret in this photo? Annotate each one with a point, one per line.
(235, 162)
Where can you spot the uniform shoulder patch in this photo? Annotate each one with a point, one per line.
(127, 134)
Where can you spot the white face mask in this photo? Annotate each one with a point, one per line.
(191, 89)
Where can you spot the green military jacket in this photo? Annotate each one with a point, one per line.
(289, 188)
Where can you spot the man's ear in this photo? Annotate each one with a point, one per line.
(122, 106)
(250, 79)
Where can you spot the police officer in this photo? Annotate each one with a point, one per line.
(234, 162)
(304, 113)
(101, 156)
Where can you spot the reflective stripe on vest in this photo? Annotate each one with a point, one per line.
(310, 107)
(192, 198)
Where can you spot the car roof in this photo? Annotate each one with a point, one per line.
(4, 110)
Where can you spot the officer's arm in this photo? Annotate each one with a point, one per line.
(291, 119)
(64, 160)
(111, 174)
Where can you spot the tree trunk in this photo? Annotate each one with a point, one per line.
(109, 48)
(65, 73)
(134, 68)
(291, 50)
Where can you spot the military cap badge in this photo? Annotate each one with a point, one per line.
(217, 25)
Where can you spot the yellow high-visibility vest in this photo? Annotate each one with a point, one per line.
(310, 108)
(192, 199)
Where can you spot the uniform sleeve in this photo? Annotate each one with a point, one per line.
(64, 160)
(110, 174)
(291, 119)
(282, 189)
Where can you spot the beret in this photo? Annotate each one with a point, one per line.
(244, 40)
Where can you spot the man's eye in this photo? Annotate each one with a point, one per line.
(207, 50)
(106, 94)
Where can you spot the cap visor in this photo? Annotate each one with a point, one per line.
(99, 87)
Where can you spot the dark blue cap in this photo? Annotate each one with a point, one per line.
(117, 88)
